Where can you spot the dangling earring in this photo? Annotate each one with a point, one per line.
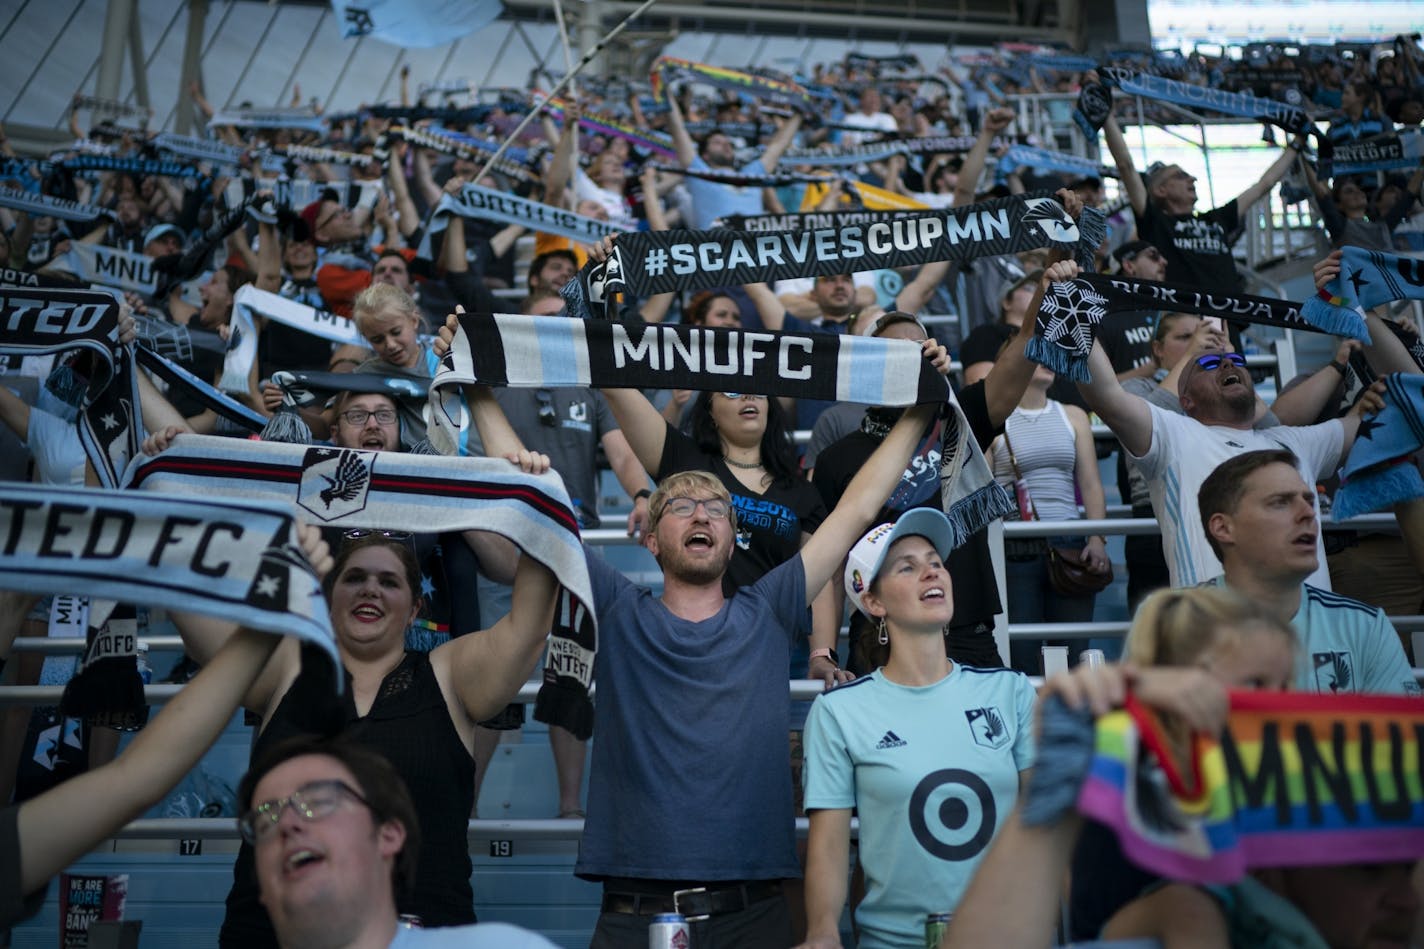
(884, 633)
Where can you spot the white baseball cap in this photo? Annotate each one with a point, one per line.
(868, 555)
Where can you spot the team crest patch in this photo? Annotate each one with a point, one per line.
(335, 482)
(1334, 671)
(987, 726)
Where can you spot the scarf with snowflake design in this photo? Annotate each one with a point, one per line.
(1072, 311)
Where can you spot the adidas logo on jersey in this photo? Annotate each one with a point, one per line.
(891, 740)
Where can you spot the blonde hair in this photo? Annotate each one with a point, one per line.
(1178, 627)
(678, 485)
(378, 298)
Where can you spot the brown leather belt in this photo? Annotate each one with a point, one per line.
(698, 902)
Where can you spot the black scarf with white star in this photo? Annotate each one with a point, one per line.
(652, 262)
(1368, 278)
(1072, 311)
(94, 373)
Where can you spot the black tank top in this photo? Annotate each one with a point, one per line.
(409, 723)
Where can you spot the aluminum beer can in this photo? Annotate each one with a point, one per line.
(935, 926)
(669, 931)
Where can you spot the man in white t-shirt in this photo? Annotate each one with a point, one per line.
(869, 116)
(1259, 517)
(1176, 453)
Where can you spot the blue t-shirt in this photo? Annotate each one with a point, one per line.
(1348, 646)
(713, 199)
(933, 772)
(689, 778)
(1343, 645)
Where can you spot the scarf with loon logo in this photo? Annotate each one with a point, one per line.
(652, 262)
(389, 490)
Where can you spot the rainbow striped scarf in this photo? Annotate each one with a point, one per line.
(1296, 780)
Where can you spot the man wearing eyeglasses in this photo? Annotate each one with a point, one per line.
(1175, 453)
(334, 832)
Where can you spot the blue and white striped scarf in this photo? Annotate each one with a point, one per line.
(542, 351)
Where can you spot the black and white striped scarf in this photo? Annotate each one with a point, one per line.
(390, 490)
(83, 325)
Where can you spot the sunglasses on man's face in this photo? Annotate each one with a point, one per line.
(1212, 361)
(1151, 253)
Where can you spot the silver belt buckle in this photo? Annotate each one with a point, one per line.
(677, 895)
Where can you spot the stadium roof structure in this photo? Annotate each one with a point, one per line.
(144, 53)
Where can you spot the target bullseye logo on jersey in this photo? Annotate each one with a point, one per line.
(952, 814)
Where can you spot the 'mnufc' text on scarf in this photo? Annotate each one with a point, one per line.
(653, 262)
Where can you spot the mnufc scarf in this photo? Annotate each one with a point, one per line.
(1072, 311)
(650, 142)
(539, 351)
(1404, 149)
(488, 204)
(737, 179)
(653, 262)
(1368, 278)
(45, 205)
(239, 560)
(111, 267)
(84, 325)
(132, 164)
(877, 151)
(447, 143)
(249, 304)
(1295, 780)
(400, 491)
(198, 149)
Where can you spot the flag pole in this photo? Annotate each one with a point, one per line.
(588, 57)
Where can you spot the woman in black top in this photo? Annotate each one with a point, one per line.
(420, 709)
